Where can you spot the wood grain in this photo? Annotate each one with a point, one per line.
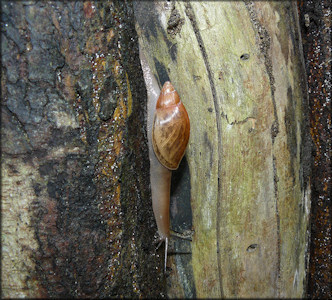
(238, 69)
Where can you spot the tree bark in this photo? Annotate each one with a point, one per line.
(76, 209)
(238, 67)
(315, 19)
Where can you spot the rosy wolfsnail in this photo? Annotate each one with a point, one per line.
(168, 129)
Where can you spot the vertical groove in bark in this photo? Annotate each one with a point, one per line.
(191, 15)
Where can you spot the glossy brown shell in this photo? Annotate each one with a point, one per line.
(171, 128)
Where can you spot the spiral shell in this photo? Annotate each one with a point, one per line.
(171, 128)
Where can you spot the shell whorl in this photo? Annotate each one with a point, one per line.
(171, 128)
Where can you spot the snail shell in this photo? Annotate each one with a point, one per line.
(171, 128)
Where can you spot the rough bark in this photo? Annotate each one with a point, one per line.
(76, 209)
(238, 67)
(315, 19)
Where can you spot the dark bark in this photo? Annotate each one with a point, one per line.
(73, 131)
(316, 34)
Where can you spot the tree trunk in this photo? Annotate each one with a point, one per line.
(239, 71)
(77, 219)
(76, 210)
(316, 33)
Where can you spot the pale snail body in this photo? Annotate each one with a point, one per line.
(168, 130)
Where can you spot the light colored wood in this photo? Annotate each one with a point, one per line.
(17, 237)
(238, 70)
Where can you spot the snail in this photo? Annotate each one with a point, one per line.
(171, 128)
(168, 129)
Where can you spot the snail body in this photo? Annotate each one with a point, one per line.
(168, 130)
(169, 136)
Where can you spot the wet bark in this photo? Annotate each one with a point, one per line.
(77, 219)
(315, 17)
(238, 67)
(76, 209)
